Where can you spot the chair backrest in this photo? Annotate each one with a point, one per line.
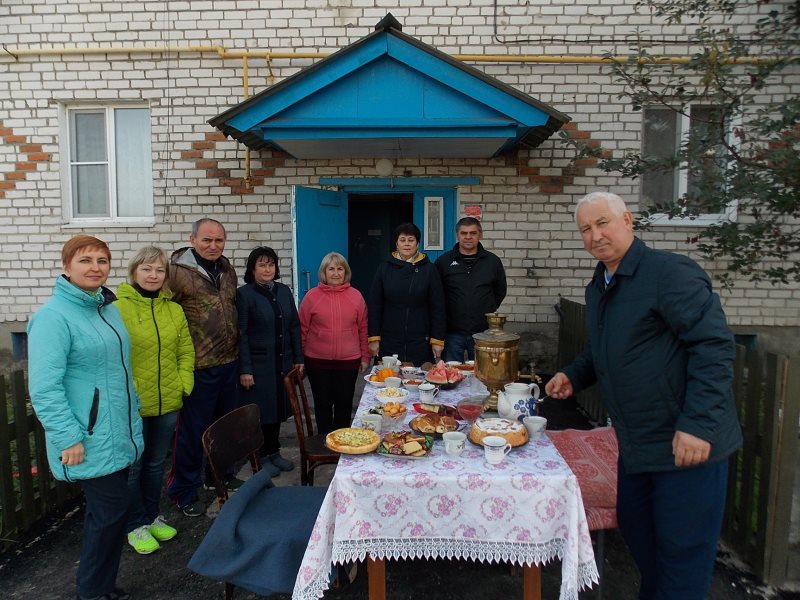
(231, 438)
(293, 381)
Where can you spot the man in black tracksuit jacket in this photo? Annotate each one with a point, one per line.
(474, 284)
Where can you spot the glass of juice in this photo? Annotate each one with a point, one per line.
(470, 409)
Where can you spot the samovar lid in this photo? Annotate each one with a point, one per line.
(495, 334)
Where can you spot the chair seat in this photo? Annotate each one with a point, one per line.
(592, 455)
(317, 450)
(259, 537)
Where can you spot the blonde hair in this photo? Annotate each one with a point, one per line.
(329, 259)
(146, 256)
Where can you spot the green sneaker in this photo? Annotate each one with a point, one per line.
(142, 540)
(161, 531)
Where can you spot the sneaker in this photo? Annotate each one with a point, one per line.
(194, 509)
(142, 540)
(117, 594)
(282, 463)
(161, 531)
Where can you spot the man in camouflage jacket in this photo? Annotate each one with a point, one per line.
(204, 283)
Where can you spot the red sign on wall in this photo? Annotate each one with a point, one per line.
(473, 210)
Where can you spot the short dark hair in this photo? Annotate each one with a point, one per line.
(406, 229)
(467, 221)
(253, 259)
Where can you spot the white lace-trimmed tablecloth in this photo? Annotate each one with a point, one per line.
(527, 510)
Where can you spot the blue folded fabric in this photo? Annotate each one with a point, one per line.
(258, 539)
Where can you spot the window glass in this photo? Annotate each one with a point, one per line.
(88, 136)
(659, 140)
(134, 179)
(90, 190)
(707, 131)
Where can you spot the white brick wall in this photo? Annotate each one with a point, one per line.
(533, 232)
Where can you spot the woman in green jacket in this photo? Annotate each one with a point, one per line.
(162, 356)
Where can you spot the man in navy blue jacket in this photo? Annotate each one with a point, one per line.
(662, 353)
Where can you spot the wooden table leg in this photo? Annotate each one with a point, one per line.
(376, 578)
(532, 582)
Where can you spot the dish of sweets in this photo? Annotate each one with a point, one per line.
(391, 395)
(433, 425)
(405, 444)
(377, 377)
(352, 440)
(443, 376)
(513, 432)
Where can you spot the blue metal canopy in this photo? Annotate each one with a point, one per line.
(390, 95)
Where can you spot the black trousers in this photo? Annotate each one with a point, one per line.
(333, 391)
(104, 532)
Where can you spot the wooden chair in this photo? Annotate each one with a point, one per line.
(230, 439)
(258, 539)
(313, 451)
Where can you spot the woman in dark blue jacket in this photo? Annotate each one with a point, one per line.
(406, 312)
(269, 346)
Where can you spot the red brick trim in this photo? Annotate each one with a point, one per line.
(558, 177)
(223, 176)
(33, 158)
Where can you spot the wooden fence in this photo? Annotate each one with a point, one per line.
(761, 479)
(28, 490)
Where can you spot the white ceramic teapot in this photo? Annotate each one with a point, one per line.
(517, 400)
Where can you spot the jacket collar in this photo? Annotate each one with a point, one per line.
(335, 290)
(184, 257)
(627, 266)
(72, 293)
(127, 291)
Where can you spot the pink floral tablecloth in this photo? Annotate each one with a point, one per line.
(527, 510)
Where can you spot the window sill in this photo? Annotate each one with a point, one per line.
(661, 220)
(110, 223)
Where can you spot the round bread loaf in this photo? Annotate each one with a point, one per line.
(513, 432)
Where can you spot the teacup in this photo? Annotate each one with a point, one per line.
(495, 449)
(408, 372)
(454, 442)
(390, 362)
(535, 426)
(427, 392)
(372, 422)
(393, 382)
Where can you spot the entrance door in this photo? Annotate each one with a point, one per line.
(320, 227)
(372, 220)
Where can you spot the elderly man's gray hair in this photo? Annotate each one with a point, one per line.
(200, 222)
(615, 203)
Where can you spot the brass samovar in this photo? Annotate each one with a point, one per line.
(496, 357)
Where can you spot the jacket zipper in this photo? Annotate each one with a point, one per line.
(408, 312)
(158, 355)
(127, 378)
(93, 411)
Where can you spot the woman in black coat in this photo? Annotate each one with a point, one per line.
(269, 346)
(406, 304)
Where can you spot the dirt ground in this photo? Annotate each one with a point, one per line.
(43, 566)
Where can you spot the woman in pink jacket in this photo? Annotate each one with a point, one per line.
(333, 325)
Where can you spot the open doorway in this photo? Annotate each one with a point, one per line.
(370, 222)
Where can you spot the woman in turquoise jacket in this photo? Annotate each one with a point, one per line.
(162, 355)
(82, 390)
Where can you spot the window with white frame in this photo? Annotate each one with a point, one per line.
(109, 167)
(664, 130)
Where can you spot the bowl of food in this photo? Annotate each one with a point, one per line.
(391, 394)
(394, 413)
(412, 384)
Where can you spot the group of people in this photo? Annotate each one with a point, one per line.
(114, 379)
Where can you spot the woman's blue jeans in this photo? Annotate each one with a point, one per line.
(146, 476)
